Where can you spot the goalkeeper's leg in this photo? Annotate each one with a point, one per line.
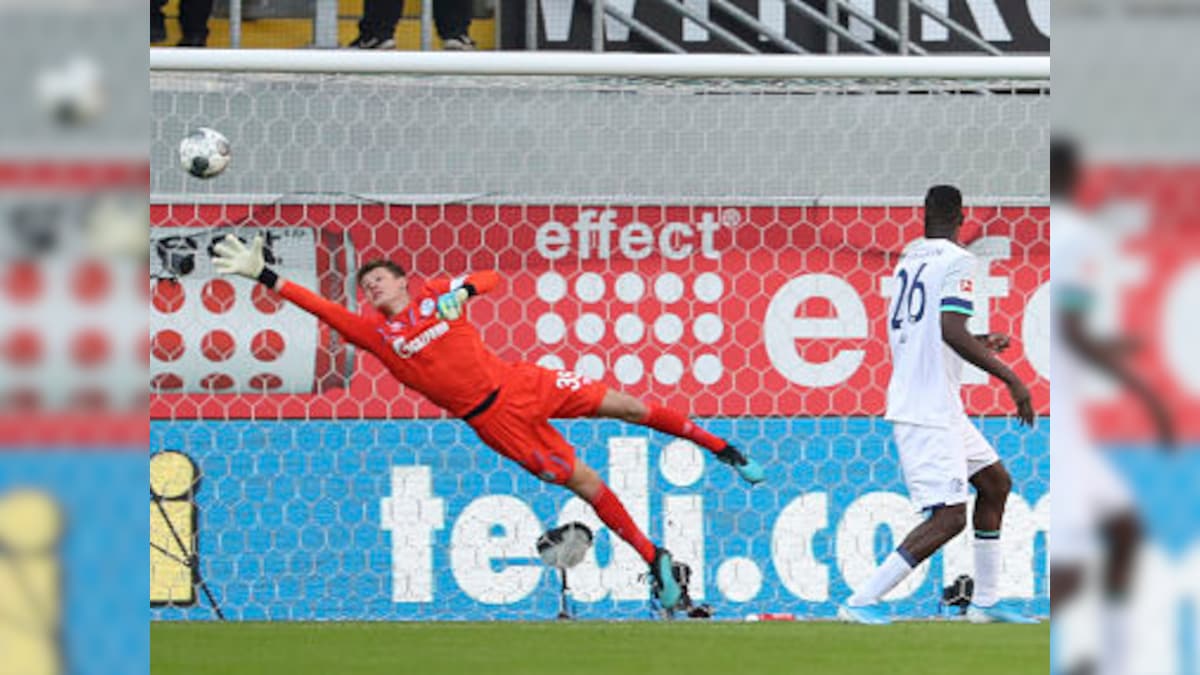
(586, 483)
(622, 406)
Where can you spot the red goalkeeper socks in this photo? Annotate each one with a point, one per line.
(614, 515)
(670, 422)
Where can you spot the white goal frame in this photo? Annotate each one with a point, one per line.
(583, 64)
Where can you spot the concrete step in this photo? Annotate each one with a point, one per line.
(288, 33)
(297, 33)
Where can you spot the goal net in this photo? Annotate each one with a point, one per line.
(719, 245)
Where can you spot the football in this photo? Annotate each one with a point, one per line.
(204, 153)
(72, 93)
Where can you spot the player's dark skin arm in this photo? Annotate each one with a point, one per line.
(1109, 357)
(996, 342)
(976, 352)
(992, 483)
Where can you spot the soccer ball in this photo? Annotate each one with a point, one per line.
(204, 153)
(72, 93)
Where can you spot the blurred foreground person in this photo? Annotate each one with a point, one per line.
(1094, 516)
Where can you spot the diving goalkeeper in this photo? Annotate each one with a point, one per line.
(426, 342)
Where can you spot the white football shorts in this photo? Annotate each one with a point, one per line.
(1088, 491)
(938, 462)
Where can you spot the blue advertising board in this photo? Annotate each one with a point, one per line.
(417, 520)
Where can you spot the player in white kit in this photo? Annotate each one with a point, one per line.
(1093, 513)
(941, 452)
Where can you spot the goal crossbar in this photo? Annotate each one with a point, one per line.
(610, 64)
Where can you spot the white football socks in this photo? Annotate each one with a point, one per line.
(987, 570)
(1114, 633)
(891, 572)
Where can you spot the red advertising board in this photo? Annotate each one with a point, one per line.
(717, 310)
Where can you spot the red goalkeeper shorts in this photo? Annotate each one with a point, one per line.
(517, 425)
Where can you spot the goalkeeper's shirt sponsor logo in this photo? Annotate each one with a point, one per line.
(409, 348)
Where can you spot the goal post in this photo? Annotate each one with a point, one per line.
(601, 64)
(710, 232)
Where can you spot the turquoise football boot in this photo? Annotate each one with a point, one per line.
(869, 615)
(750, 470)
(662, 580)
(996, 614)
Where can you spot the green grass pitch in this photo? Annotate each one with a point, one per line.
(587, 648)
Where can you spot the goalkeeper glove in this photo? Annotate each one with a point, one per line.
(450, 305)
(232, 257)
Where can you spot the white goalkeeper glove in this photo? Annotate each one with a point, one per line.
(450, 305)
(232, 257)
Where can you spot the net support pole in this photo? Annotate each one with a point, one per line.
(235, 23)
(831, 13)
(325, 29)
(531, 24)
(426, 25)
(904, 28)
(598, 25)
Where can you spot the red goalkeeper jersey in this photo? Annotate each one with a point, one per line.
(445, 361)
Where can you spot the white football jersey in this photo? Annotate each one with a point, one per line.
(1074, 268)
(1087, 489)
(1075, 264)
(933, 276)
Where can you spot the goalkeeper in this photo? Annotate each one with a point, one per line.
(427, 344)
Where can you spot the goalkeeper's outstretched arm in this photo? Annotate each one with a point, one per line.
(234, 257)
(454, 293)
(476, 283)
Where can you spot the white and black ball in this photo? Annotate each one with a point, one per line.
(204, 153)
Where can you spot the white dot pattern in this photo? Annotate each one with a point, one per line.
(668, 369)
(551, 287)
(589, 328)
(589, 287)
(708, 287)
(590, 366)
(628, 369)
(707, 369)
(550, 328)
(630, 328)
(668, 287)
(668, 328)
(630, 287)
(708, 328)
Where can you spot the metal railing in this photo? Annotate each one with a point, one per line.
(830, 21)
(325, 26)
